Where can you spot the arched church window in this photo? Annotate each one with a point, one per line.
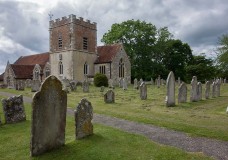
(121, 68)
(86, 69)
(36, 74)
(47, 72)
(60, 67)
(60, 41)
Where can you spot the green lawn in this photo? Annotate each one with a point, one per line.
(106, 144)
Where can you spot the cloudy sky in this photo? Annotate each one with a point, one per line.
(24, 23)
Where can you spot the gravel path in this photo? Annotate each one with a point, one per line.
(210, 147)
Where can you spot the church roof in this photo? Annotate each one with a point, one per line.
(23, 71)
(40, 59)
(107, 53)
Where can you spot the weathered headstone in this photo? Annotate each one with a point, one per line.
(102, 89)
(121, 82)
(213, 93)
(170, 96)
(110, 83)
(194, 97)
(28, 83)
(152, 81)
(13, 109)
(48, 117)
(20, 85)
(159, 81)
(179, 81)
(162, 82)
(135, 83)
(124, 84)
(207, 90)
(83, 117)
(85, 86)
(73, 85)
(199, 91)
(143, 91)
(66, 85)
(217, 87)
(182, 93)
(35, 85)
(109, 97)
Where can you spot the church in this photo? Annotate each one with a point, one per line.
(73, 54)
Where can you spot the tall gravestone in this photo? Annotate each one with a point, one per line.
(66, 85)
(159, 81)
(170, 96)
(49, 107)
(110, 83)
(207, 90)
(152, 81)
(121, 82)
(124, 84)
(85, 86)
(83, 117)
(109, 97)
(217, 87)
(199, 91)
(13, 109)
(194, 97)
(143, 91)
(179, 81)
(135, 83)
(213, 93)
(73, 85)
(35, 85)
(182, 93)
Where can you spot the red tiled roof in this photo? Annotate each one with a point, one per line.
(40, 59)
(107, 53)
(23, 71)
(1, 77)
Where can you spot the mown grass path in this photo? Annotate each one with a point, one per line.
(211, 147)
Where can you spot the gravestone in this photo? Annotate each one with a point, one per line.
(194, 97)
(179, 81)
(170, 96)
(85, 86)
(199, 91)
(13, 109)
(143, 91)
(121, 82)
(224, 81)
(66, 85)
(83, 117)
(28, 83)
(73, 85)
(49, 107)
(124, 84)
(227, 110)
(102, 89)
(162, 82)
(158, 81)
(35, 85)
(207, 90)
(217, 87)
(109, 97)
(135, 83)
(152, 81)
(20, 86)
(213, 94)
(110, 83)
(182, 93)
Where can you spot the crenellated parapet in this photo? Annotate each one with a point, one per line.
(72, 19)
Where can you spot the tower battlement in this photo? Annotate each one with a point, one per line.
(72, 19)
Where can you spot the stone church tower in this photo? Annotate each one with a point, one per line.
(73, 47)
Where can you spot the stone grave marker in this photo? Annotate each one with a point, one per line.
(109, 96)
(207, 90)
(20, 86)
(13, 109)
(159, 81)
(199, 91)
(193, 96)
(73, 85)
(182, 93)
(66, 85)
(35, 85)
(170, 96)
(83, 117)
(110, 83)
(143, 91)
(121, 82)
(213, 93)
(28, 83)
(224, 81)
(135, 83)
(152, 81)
(49, 107)
(217, 87)
(124, 84)
(102, 89)
(227, 110)
(179, 81)
(85, 86)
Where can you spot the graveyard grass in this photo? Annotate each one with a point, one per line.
(106, 143)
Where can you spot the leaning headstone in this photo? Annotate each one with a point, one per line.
(194, 97)
(159, 81)
(199, 91)
(143, 91)
(170, 96)
(35, 85)
(85, 86)
(110, 83)
(48, 117)
(207, 90)
(182, 93)
(213, 93)
(102, 89)
(83, 117)
(217, 87)
(13, 109)
(135, 83)
(124, 84)
(109, 97)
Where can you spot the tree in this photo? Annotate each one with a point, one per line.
(222, 57)
(201, 67)
(143, 43)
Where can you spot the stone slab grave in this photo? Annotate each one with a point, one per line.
(121, 82)
(49, 107)
(83, 117)
(13, 109)
(124, 83)
(66, 85)
(213, 93)
(102, 89)
(20, 85)
(28, 83)
(207, 90)
(143, 91)
(135, 83)
(182, 93)
(73, 85)
(199, 91)
(110, 83)
(85, 86)
(35, 85)
(193, 96)
(109, 96)
(170, 96)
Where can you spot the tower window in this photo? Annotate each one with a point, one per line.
(86, 69)
(60, 57)
(60, 41)
(102, 69)
(85, 43)
(60, 68)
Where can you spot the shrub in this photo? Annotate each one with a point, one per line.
(100, 80)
